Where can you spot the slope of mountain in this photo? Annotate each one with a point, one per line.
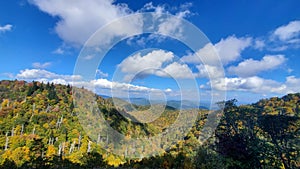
(177, 104)
(138, 101)
(186, 104)
(40, 127)
(44, 115)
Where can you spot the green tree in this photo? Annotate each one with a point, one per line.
(236, 136)
(283, 133)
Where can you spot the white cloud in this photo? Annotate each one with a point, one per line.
(152, 60)
(39, 65)
(289, 32)
(117, 88)
(278, 48)
(57, 81)
(283, 37)
(207, 54)
(59, 51)
(252, 84)
(293, 84)
(176, 70)
(122, 28)
(226, 51)
(137, 40)
(252, 67)
(5, 28)
(34, 74)
(249, 83)
(210, 72)
(156, 62)
(256, 84)
(230, 49)
(80, 19)
(259, 44)
(101, 74)
(168, 90)
(173, 26)
(88, 57)
(165, 25)
(158, 10)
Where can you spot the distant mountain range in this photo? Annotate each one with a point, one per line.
(177, 104)
(186, 104)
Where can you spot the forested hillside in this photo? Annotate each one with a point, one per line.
(39, 128)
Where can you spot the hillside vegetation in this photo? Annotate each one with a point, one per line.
(39, 128)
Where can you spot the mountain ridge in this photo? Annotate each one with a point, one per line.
(39, 128)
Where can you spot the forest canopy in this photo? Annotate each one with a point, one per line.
(39, 128)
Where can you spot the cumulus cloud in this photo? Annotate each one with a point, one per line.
(173, 26)
(154, 59)
(252, 67)
(80, 19)
(176, 70)
(210, 72)
(157, 62)
(238, 84)
(111, 85)
(252, 84)
(40, 74)
(207, 55)
(147, 63)
(5, 28)
(39, 65)
(230, 49)
(158, 10)
(101, 74)
(289, 32)
(293, 84)
(226, 51)
(117, 88)
(257, 84)
(259, 44)
(165, 25)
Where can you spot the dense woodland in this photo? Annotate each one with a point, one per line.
(39, 128)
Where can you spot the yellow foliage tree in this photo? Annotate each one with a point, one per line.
(20, 155)
(113, 160)
(50, 151)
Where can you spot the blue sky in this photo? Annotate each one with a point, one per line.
(258, 44)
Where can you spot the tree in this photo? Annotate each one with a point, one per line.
(20, 155)
(52, 94)
(207, 159)
(283, 132)
(236, 138)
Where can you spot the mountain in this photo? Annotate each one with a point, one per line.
(138, 101)
(60, 126)
(42, 122)
(177, 104)
(186, 104)
(104, 96)
(43, 127)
